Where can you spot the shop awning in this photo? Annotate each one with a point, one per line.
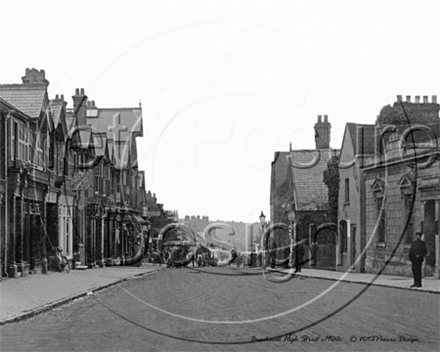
(139, 219)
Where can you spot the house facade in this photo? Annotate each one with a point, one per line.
(297, 183)
(402, 186)
(69, 177)
(357, 144)
(30, 168)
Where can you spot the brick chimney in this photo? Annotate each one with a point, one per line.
(34, 76)
(80, 106)
(322, 133)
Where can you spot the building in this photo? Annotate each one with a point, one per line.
(31, 154)
(358, 143)
(115, 219)
(402, 186)
(297, 183)
(69, 178)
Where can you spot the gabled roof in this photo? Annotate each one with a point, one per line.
(307, 178)
(280, 166)
(71, 121)
(122, 126)
(57, 107)
(121, 154)
(29, 98)
(118, 122)
(362, 137)
(10, 108)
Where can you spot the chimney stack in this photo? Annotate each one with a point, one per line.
(79, 106)
(408, 98)
(417, 99)
(425, 99)
(322, 133)
(434, 99)
(399, 99)
(35, 76)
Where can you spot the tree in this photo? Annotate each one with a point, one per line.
(331, 179)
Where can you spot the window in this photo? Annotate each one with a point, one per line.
(381, 220)
(32, 143)
(347, 191)
(408, 204)
(39, 154)
(344, 240)
(51, 146)
(19, 141)
(14, 139)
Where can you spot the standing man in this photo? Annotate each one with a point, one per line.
(300, 256)
(416, 254)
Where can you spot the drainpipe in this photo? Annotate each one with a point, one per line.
(5, 272)
(4, 269)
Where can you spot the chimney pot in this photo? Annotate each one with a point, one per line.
(425, 99)
(325, 118)
(399, 98)
(89, 103)
(408, 98)
(434, 99)
(62, 96)
(319, 118)
(56, 97)
(417, 99)
(77, 91)
(82, 91)
(93, 103)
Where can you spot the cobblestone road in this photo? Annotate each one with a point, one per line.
(223, 309)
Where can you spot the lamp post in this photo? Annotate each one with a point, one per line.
(291, 216)
(260, 259)
(271, 246)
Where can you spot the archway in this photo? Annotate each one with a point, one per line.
(323, 246)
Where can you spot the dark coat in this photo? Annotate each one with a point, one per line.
(417, 251)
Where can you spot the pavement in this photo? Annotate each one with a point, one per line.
(429, 284)
(31, 295)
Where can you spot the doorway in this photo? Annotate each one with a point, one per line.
(430, 228)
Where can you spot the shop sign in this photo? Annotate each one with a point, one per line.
(51, 197)
(153, 213)
(80, 180)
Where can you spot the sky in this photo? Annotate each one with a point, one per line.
(225, 84)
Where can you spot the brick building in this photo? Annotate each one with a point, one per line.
(68, 178)
(297, 183)
(30, 158)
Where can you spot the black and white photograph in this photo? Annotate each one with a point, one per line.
(219, 175)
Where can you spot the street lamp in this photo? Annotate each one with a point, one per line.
(291, 216)
(262, 260)
(269, 254)
(262, 218)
